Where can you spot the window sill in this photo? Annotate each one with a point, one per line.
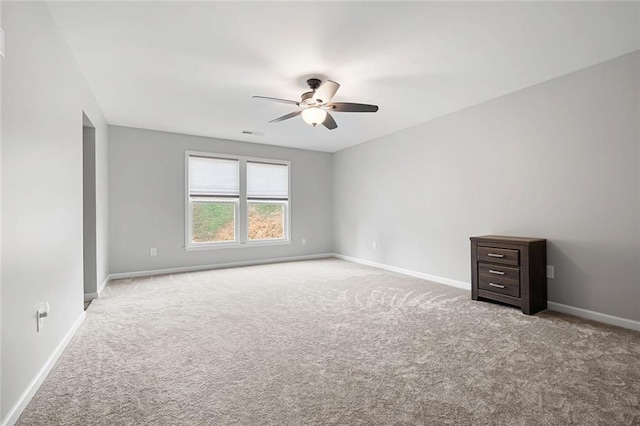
(238, 245)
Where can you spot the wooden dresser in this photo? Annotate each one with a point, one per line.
(510, 270)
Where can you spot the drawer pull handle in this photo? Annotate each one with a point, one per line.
(491, 271)
(495, 255)
(496, 285)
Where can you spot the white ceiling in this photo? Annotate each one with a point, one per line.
(193, 67)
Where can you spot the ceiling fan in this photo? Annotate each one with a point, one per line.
(316, 104)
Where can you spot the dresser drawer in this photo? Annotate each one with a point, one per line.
(500, 285)
(499, 272)
(499, 255)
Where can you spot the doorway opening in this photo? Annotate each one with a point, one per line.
(89, 226)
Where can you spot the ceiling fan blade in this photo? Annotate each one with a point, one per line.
(329, 122)
(326, 91)
(349, 107)
(284, 101)
(286, 117)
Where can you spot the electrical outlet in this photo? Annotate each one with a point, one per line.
(42, 311)
(374, 246)
(551, 272)
(1, 43)
(304, 241)
(153, 251)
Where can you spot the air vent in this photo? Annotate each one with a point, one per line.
(250, 132)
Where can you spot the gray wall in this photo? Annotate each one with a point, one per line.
(558, 160)
(146, 184)
(43, 97)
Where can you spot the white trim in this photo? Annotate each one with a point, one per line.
(552, 306)
(441, 280)
(286, 226)
(30, 391)
(149, 273)
(242, 231)
(251, 243)
(594, 316)
(90, 296)
(103, 285)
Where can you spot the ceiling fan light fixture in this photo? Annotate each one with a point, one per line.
(313, 105)
(314, 116)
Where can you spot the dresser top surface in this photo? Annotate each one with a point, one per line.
(505, 239)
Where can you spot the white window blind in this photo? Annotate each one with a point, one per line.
(214, 177)
(267, 181)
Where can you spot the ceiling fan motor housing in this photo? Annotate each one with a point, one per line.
(307, 99)
(314, 83)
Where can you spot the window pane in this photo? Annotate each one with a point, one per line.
(266, 221)
(213, 222)
(213, 176)
(267, 180)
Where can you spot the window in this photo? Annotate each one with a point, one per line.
(233, 201)
(214, 195)
(267, 200)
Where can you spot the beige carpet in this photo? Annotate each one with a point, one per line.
(331, 342)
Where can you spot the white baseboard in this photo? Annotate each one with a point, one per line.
(594, 316)
(552, 306)
(196, 268)
(30, 391)
(104, 285)
(448, 281)
(90, 296)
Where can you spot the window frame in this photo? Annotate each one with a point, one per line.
(242, 212)
(236, 234)
(284, 227)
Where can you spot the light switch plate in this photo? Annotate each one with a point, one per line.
(551, 273)
(1, 43)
